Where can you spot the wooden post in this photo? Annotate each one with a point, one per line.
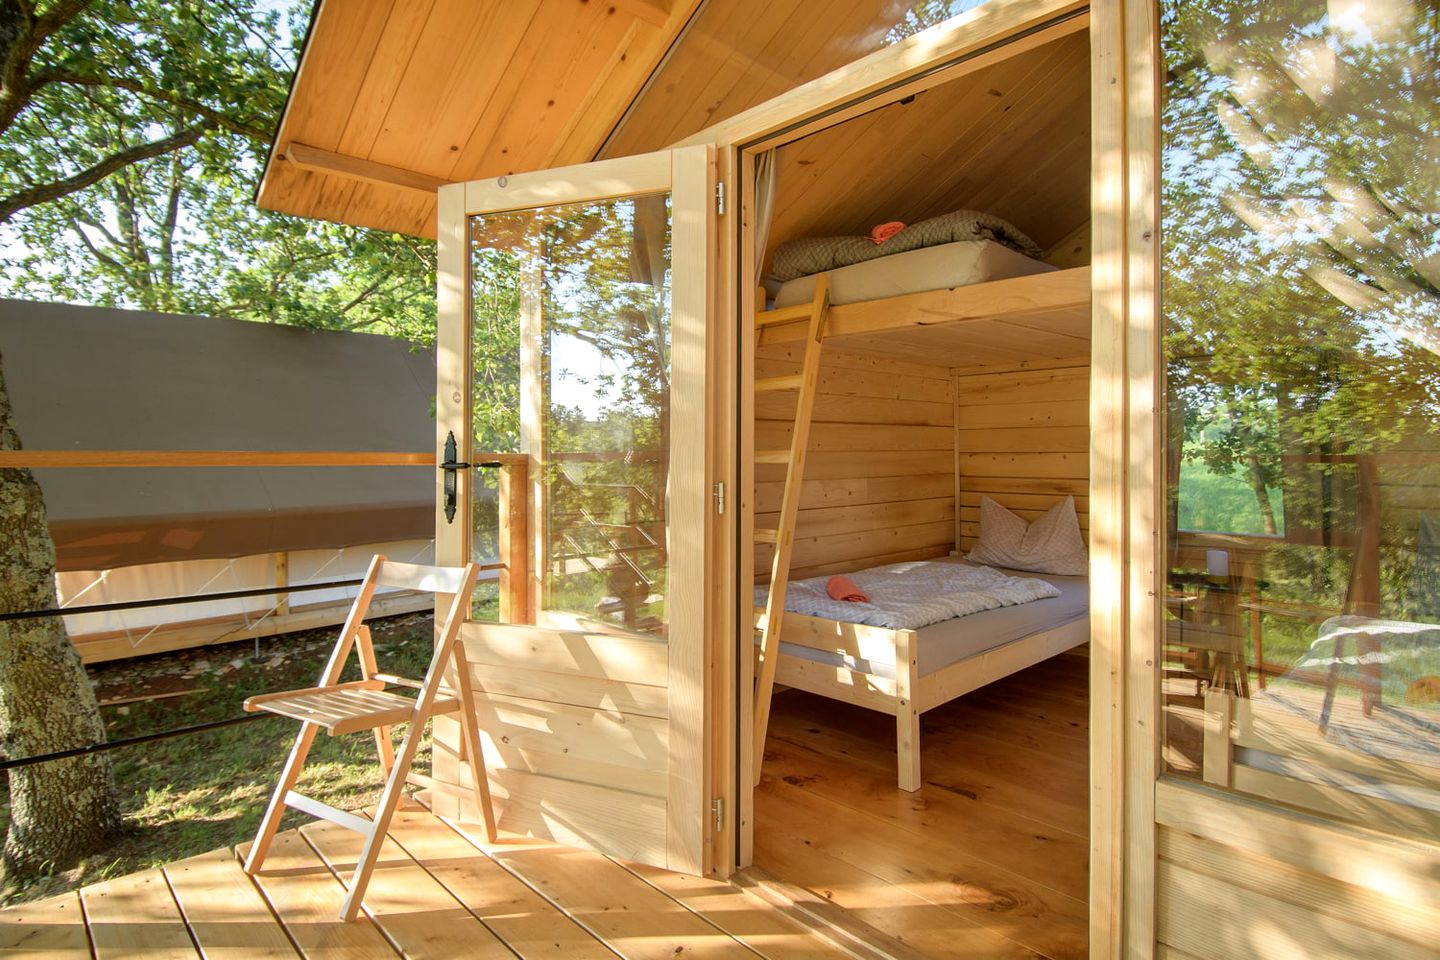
(282, 580)
(1215, 763)
(514, 535)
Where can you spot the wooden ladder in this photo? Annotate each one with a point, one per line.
(783, 534)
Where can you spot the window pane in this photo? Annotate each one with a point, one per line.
(590, 283)
(1301, 300)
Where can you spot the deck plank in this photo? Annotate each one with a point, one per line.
(621, 910)
(411, 908)
(225, 913)
(53, 929)
(306, 897)
(532, 926)
(135, 917)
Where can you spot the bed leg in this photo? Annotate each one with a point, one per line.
(907, 745)
(907, 717)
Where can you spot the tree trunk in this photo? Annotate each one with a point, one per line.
(64, 809)
(1262, 495)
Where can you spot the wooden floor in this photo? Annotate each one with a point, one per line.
(987, 860)
(435, 894)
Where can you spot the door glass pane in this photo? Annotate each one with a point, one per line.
(1301, 299)
(586, 288)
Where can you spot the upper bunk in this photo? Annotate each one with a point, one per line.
(1010, 140)
(997, 321)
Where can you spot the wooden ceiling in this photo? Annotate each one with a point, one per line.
(394, 98)
(1012, 140)
(740, 53)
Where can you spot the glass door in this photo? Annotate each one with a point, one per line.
(572, 370)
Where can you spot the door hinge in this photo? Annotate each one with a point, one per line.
(719, 493)
(720, 197)
(717, 807)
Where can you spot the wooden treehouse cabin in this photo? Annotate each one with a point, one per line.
(981, 478)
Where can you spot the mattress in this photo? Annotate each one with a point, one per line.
(950, 641)
(948, 265)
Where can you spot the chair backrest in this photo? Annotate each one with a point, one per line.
(456, 581)
(417, 576)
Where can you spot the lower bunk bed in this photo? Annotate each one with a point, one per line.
(905, 672)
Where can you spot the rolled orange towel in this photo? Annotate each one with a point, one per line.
(885, 231)
(843, 588)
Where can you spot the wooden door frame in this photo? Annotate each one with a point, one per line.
(936, 56)
(1126, 476)
(688, 175)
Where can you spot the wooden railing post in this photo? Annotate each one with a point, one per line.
(514, 541)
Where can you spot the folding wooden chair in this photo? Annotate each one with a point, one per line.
(364, 704)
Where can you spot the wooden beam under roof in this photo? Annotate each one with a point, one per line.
(307, 157)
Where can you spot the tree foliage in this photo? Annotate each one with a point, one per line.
(132, 135)
(1302, 255)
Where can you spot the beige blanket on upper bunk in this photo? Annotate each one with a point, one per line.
(914, 594)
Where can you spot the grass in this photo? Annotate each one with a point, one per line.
(190, 794)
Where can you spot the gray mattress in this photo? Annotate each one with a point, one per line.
(950, 641)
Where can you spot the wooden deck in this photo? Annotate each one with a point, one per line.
(988, 859)
(436, 893)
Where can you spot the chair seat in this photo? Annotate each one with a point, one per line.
(348, 710)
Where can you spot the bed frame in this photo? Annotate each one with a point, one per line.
(908, 694)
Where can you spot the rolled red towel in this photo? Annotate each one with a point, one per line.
(884, 231)
(843, 588)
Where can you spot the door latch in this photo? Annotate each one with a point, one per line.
(451, 466)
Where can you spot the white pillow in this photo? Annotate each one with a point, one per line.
(1052, 544)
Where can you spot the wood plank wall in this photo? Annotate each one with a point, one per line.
(1022, 439)
(1240, 879)
(880, 476)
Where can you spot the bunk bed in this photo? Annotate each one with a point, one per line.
(1008, 298)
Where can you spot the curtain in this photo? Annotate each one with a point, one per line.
(765, 171)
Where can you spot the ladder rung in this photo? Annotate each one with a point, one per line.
(767, 535)
(791, 382)
(772, 456)
(800, 311)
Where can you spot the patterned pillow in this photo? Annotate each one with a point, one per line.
(1052, 544)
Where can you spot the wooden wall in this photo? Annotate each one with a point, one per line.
(1022, 439)
(1236, 878)
(880, 475)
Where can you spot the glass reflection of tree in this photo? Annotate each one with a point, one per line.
(1301, 204)
(606, 310)
(494, 367)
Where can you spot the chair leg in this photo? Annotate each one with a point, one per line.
(389, 800)
(270, 823)
(470, 738)
(365, 647)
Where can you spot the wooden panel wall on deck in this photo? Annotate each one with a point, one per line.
(1245, 881)
(880, 476)
(1022, 439)
(576, 740)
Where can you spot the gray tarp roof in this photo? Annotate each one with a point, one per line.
(94, 378)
